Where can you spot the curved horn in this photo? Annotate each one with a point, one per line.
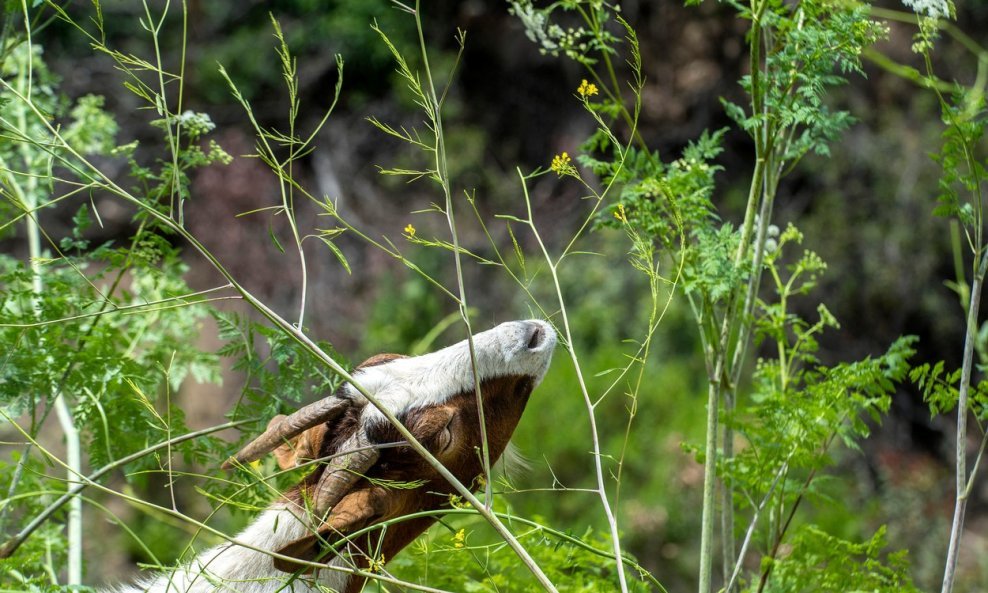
(343, 472)
(303, 419)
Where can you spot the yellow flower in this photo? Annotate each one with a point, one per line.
(377, 564)
(410, 230)
(561, 164)
(459, 538)
(620, 215)
(587, 89)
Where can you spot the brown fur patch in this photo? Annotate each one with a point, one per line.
(302, 448)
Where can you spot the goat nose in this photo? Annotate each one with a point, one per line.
(537, 333)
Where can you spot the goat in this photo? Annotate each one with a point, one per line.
(434, 397)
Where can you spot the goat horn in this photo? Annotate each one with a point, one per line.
(290, 426)
(343, 472)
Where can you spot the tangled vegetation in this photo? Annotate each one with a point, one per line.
(102, 336)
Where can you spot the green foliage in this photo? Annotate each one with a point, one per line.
(462, 556)
(66, 338)
(941, 393)
(663, 201)
(31, 569)
(279, 374)
(820, 563)
(813, 45)
(797, 409)
(105, 328)
(165, 184)
(965, 116)
(938, 386)
(109, 326)
(26, 169)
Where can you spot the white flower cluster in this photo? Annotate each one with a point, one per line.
(197, 123)
(534, 22)
(938, 9)
(574, 43)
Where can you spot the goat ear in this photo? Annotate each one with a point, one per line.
(355, 511)
(426, 423)
(301, 448)
(379, 359)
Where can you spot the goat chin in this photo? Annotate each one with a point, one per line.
(232, 568)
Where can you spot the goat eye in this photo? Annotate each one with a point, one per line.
(445, 437)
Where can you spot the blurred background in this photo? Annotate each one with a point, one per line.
(867, 210)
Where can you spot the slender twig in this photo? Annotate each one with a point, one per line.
(655, 319)
(139, 308)
(29, 196)
(782, 529)
(11, 545)
(977, 463)
(960, 502)
(595, 438)
(442, 175)
(737, 364)
(739, 563)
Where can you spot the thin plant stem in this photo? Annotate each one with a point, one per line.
(595, 438)
(173, 126)
(73, 456)
(138, 308)
(737, 364)
(11, 545)
(709, 479)
(717, 379)
(716, 384)
(655, 318)
(960, 502)
(66, 422)
(783, 527)
(442, 175)
(739, 562)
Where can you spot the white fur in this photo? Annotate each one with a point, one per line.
(513, 462)
(433, 378)
(399, 384)
(232, 568)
